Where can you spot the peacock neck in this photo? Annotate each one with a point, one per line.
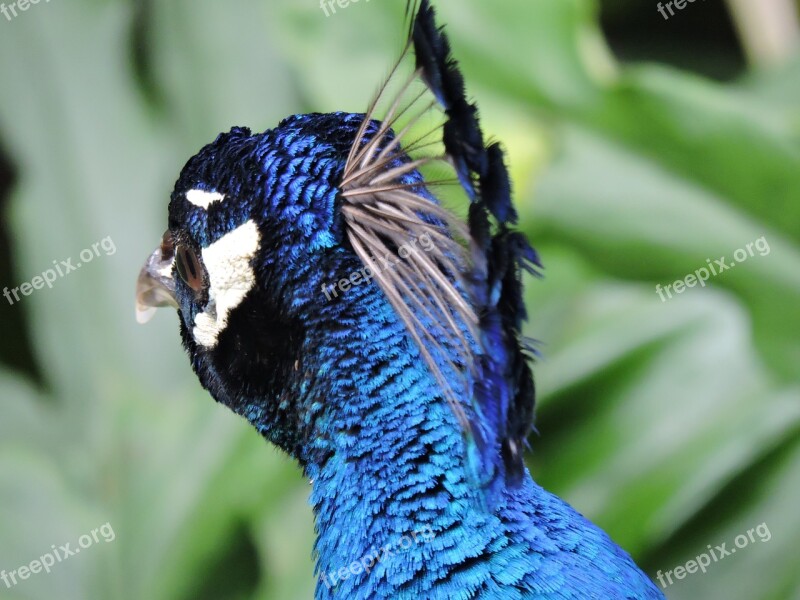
(386, 456)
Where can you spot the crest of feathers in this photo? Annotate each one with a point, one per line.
(460, 297)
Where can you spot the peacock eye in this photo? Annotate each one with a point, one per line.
(189, 268)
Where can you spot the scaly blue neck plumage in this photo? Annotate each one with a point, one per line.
(386, 456)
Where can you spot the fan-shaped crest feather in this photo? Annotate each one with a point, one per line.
(461, 301)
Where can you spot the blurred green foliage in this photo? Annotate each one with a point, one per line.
(673, 424)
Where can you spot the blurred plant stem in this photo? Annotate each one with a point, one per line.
(769, 29)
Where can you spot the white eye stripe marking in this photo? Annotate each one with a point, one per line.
(230, 276)
(203, 198)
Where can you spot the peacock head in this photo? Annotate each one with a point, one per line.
(270, 240)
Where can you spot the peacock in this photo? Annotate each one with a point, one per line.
(326, 294)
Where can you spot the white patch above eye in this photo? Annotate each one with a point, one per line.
(203, 198)
(230, 275)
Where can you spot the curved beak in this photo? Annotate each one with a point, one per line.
(155, 286)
